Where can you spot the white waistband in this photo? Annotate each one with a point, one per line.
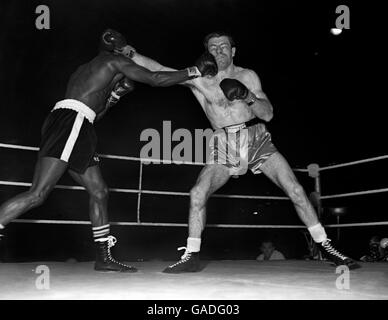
(236, 127)
(76, 106)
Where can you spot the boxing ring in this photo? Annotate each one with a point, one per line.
(219, 279)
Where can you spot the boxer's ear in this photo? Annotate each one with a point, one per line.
(233, 51)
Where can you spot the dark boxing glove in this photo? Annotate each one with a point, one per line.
(207, 65)
(121, 88)
(234, 89)
(112, 40)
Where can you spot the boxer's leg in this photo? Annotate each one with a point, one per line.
(97, 189)
(277, 169)
(47, 173)
(211, 178)
(95, 185)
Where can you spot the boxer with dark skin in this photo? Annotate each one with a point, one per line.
(98, 85)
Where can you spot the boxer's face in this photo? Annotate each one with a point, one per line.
(222, 51)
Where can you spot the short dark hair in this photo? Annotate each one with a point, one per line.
(267, 241)
(218, 34)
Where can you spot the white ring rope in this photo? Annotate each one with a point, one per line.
(155, 224)
(355, 193)
(167, 193)
(353, 163)
(140, 191)
(110, 156)
(161, 224)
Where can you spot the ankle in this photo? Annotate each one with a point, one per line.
(193, 244)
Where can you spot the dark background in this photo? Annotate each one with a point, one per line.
(328, 108)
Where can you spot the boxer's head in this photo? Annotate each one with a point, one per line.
(112, 40)
(222, 46)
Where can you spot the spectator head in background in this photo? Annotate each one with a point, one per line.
(269, 252)
(376, 252)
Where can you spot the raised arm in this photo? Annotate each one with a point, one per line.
(250, 92)
(257, 99)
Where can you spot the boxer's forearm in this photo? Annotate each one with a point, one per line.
(153, 65)
(262, 108)
(169, 78)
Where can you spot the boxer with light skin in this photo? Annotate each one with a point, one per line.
(69, 139)
(236, 106)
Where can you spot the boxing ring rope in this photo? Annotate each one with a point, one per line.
(313, 170)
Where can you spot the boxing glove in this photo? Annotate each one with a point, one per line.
(234, 89)
(121, 88)
(207, 65)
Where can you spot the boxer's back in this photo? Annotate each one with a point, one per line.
(92, 82)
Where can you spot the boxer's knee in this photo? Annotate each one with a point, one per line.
(297, 194)
(37, 197)
(99, 193)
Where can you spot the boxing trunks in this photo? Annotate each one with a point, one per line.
(241, 147)
(68, 134)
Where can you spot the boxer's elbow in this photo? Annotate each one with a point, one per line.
(264, 112)
(268, 115)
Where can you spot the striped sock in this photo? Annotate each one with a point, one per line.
(101, 232)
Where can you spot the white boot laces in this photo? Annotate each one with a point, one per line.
(327, 245)
(184, 258)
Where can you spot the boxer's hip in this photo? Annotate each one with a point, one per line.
(77, 106)
(68, 134)
(240, 147)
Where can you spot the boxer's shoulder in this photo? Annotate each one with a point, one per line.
(244, 73)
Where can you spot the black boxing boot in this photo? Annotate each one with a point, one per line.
(189, 263)
(104, 260)
(339, 259)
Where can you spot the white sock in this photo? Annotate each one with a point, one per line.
(318, 233)
(193, 244)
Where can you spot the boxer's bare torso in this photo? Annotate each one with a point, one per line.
(92, 82)
(220, 111)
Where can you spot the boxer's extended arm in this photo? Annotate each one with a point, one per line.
(148, 63)
(153, 65)
(138, 73)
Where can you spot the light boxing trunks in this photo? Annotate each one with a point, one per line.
(241, 147)
(68, 134)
